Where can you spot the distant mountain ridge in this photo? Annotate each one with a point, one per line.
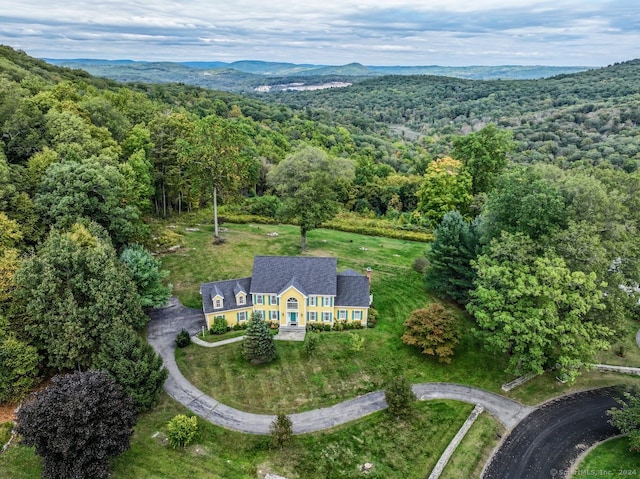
(247, 75)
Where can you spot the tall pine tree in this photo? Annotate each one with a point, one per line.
(449, 272)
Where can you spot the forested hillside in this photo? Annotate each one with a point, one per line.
(246, 76)
(589, 117)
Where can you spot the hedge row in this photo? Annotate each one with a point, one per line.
(349, 225)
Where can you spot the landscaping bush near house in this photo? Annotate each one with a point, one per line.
(318, 327)
(219, 325)
(239, 326)
(372, 318)
(273, 324)
(181, 430)
(183, 339)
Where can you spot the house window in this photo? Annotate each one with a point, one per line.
(273, 315)
(342, 314)
(312, 300)
(326, 301)
(313, 316)
(217, 304)
(242, 316)
(292, 304)
(241, 299)
(357, 315)
(259, 299)
(326, 317)
(273, 299)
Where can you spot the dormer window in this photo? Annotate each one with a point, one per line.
(241, 299)
(217, 303)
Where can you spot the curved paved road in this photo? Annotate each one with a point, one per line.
(167, 322)
(549, 440)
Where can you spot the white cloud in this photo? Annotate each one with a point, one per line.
(412, 32)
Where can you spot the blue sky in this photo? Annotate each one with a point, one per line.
(381, 32)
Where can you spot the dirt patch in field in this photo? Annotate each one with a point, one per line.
(7, 412)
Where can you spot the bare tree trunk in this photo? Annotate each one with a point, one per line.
(303, 234)
(180, 203)
(216, 231)
(164, 201)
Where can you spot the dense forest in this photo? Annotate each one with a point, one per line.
(531, 189)
(586, 118)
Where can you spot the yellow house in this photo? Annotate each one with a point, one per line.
(291, 290)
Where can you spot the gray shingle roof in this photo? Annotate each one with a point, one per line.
(353, 291)
(226, 290)
(349, 272)
(272, 274)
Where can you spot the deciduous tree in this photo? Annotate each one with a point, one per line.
(530, 305)
(73, 190)
(77, 424)
(71, 293)
(399, 397)
(445, 187)
(525, 200)
(18, 365)
(281, 431)
(433, 330)
(484, 155)
(308, 181)
(627, 418)
(212, 153)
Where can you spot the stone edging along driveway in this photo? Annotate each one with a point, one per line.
(167, 322)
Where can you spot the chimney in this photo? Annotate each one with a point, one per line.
(369, 274)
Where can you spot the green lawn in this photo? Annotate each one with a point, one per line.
(475, 449)
(200, 260)
(295, 382)
(625, 351)
(398, 449)
(214, 338)
(610, 459)
(547, 386)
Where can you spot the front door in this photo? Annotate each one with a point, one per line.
(293, 319)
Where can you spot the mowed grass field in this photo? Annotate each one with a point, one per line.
(296, 382)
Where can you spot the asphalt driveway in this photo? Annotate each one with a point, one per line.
(547, 442)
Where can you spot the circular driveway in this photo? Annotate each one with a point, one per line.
(543, 443)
